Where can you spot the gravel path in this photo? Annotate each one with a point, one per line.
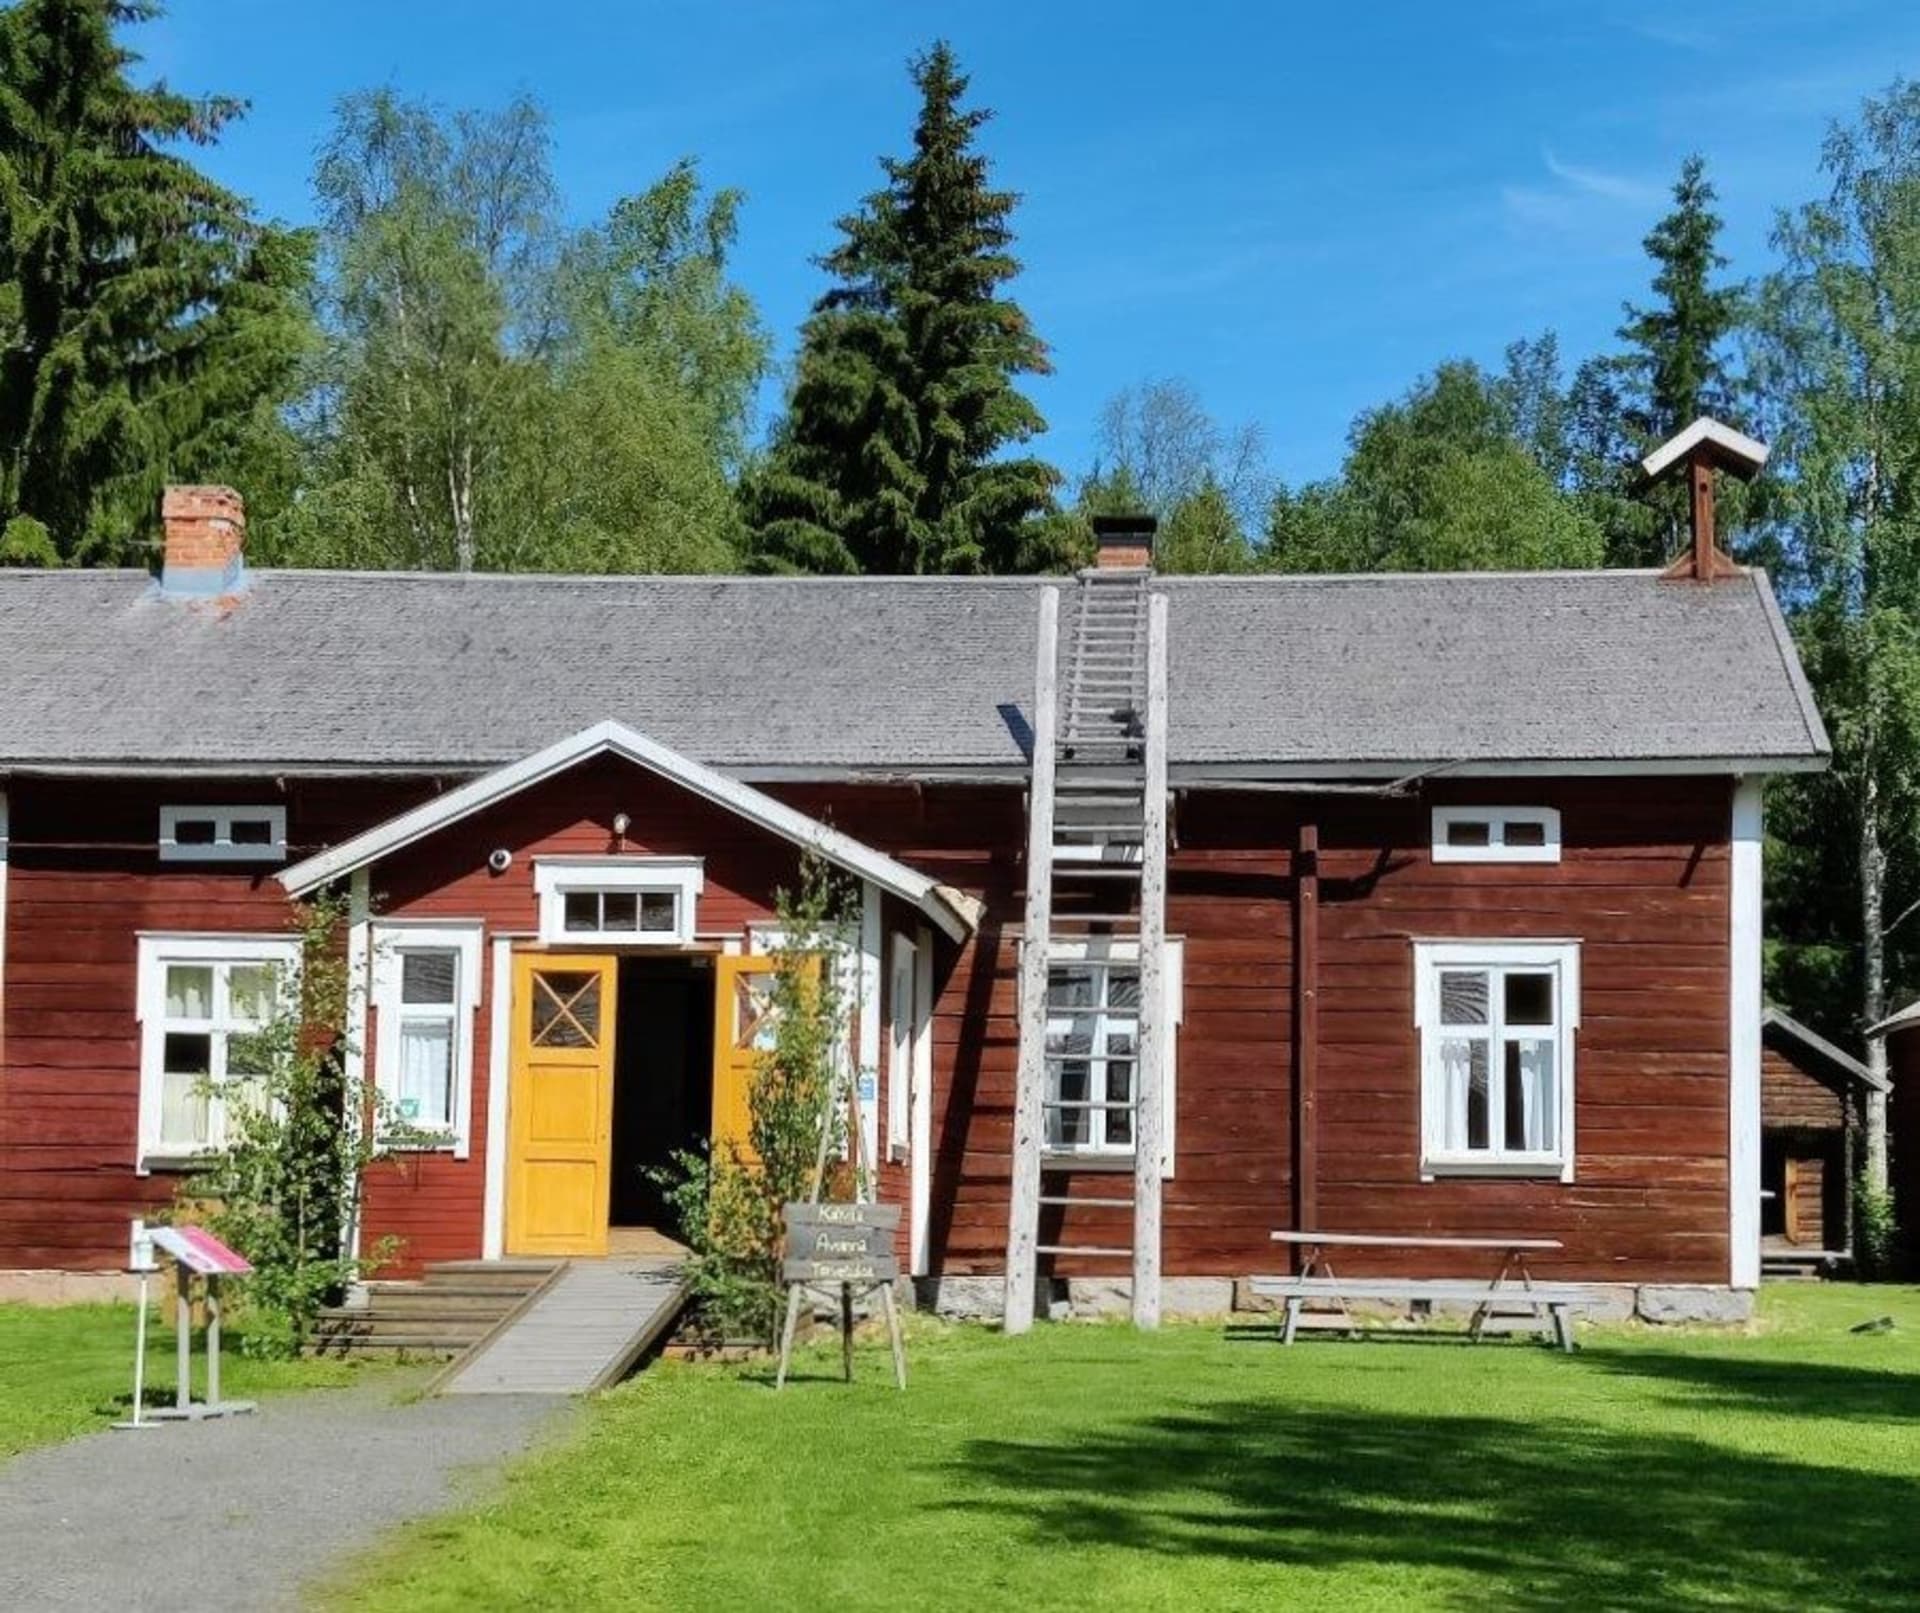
(243, 1512)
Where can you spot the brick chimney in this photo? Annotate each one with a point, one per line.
(1124, 542)
(206, 532)
(1704, 447)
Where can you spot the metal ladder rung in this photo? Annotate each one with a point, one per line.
(1067, 1200)
(1090, 1250)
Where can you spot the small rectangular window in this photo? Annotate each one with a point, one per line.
(626, 901)
(1464, 834)
(223, 833)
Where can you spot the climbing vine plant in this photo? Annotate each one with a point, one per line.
(300, 1135)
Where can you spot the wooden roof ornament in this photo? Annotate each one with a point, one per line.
(1700, 450)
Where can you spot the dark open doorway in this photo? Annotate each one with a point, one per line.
(662, 1080)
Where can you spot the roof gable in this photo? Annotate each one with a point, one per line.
(1814, 1049)
(953, 912)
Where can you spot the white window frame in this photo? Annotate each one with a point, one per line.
(222, 848)
(1497, 819)
(1173, 965)
(158, 952)
(1562, 960)
(555, 878)
(908, 1022)
(390, 943)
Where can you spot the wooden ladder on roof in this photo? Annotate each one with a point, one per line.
(1096, 884)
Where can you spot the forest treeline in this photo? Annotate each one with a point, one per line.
(449, 370)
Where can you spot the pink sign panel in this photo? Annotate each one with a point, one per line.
(199, 1251)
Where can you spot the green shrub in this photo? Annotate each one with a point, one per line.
(285, 1191)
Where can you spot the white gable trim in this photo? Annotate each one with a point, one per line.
(956, 914)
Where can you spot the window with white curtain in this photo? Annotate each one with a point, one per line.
(426, 991)
(203, 1002)
(1496, 1022)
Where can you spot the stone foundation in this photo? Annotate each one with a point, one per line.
(981, 1299)
(1694, 1302)
(67, 1287)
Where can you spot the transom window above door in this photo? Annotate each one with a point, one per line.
(627, 901)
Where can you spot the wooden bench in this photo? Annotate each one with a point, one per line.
(1508, 1301)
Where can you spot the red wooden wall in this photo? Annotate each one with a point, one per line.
(1642, 883)
(84, 878)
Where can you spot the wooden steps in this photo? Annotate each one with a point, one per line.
(452, 1307)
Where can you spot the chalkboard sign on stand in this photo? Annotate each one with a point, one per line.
(846, 1247)
(841, 1246)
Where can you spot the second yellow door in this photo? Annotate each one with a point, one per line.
(560, 1104)
(743, 1029)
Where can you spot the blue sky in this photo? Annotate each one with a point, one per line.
(1298, 209)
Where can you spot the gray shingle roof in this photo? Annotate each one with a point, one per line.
(357, 670)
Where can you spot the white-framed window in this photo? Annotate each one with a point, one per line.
(203, 999)
(426, 992)
(630, 901)
(1497, 1022)
(1507, 834)
(907, 1030)
(1093, 1043)
(223, 834)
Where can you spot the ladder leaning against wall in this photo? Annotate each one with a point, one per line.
(1096, 872)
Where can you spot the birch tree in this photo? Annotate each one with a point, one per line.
(1839, 356)
(440, 243)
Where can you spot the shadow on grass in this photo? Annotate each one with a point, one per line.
(1542, 1515)
(1789, 1388)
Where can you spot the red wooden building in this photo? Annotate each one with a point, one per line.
(1459, 929)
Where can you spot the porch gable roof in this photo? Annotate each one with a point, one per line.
(955, 913)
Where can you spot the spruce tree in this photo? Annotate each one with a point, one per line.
(893, 455)
(1676, 361)
(1673, 371)
(149, 326)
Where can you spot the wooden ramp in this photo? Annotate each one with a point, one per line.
(581, 1332)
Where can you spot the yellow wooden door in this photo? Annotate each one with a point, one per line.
(743, 1029)
(560, 1104)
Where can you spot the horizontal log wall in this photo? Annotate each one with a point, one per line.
(84, 878)
(1643, 884)
(1791, 1096)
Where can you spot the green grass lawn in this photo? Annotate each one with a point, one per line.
(66, 1370)
(1092, 1467)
